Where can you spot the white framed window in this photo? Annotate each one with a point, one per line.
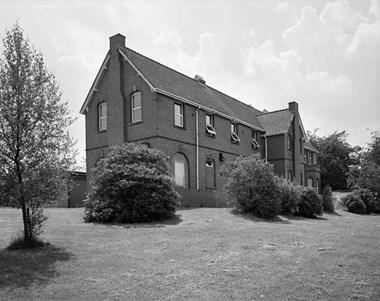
(254, 142)
(209, 125)
(178, 114)
(310, 158)
(210, 174)
(102, 114)
(136, 107)
(234, 136)
(289, 142)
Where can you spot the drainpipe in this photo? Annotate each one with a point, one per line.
(266, 148)
(197, 143)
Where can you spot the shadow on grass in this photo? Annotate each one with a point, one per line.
(331, 213)
(250, 217)
(159, 224)
(22, 268)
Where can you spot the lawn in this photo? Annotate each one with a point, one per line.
(202, 254)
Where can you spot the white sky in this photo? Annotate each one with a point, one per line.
(324, 55)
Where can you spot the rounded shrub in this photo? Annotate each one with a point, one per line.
(328, 205)
(369, 198)
(290, 194)
(131, 184)
(252, 187)
(310, 204)
(354, 203)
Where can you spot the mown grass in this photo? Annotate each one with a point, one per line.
(202, 254)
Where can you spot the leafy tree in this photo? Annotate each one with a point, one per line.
(336, 156)
(35, 147)
(131, 184)
(373, 152)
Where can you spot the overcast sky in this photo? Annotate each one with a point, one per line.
(323, 54)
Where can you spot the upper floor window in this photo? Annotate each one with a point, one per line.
(288, 142)
(255, 144)
(301, 147)
(136, 107)
(234, 136)
(178, 115)
(102, 114)
(210, 125)
(314, 158)
(305, 156)
(310, 158)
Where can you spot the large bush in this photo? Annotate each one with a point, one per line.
(132, 184)
(354, 203)
(369, 198)
(310, 204)
(290, 194)
(252, 187)
(327, 201)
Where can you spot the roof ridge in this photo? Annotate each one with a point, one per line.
(271, 112)
(160, 63)
(176, 71)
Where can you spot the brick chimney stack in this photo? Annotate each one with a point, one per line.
(293, 107)
(117, 40)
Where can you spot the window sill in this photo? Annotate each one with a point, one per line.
(180, 127)
(135, 123)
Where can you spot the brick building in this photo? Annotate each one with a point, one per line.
(135, 99)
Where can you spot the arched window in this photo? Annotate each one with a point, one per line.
(289, 142)
(181, 170)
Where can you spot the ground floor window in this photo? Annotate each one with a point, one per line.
(181, 170)
(309, 182)
(210, 174)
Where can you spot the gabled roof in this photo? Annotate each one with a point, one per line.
(167, 81)
(276, 122)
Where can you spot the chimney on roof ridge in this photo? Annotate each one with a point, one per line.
(200, 79)
(117, 40)
(293, 107)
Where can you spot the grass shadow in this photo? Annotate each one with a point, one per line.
(250, 217)
(22, 268)
(332, 213)
(175, 220)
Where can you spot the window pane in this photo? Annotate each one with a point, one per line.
(178, 120)
(208, 119)
(136, 115)
(233, 128)
(136, 100)
(177, 109)
(179, 172)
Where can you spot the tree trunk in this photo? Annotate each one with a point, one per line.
(26, 220)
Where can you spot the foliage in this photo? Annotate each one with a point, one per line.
(354, 203)
(252, 187)
(131, 184)
(370, 200)
(335, 157)
(310, 204)
(290, 194)
(35, 147)
(373, 153)
(328, 205)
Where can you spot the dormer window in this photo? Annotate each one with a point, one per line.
(102, 115)
(234, 136)
(254, 142)
(209, 126)
(136, 107)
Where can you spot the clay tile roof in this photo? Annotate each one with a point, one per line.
(174, 82)
(276, 122)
